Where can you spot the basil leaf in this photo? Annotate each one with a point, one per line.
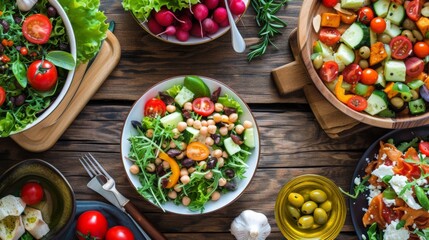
(20, 72)
(61, 59)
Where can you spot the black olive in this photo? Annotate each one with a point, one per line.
(19, 100)
(187, 162)
(236, 139)
(160, 170)
(186, 114)
(173, 152)
(52, 12)
(230, 173)
(228, 110)
(216, 138)
(211, 163)
(231, 186)
(5, 26)
(215, 95)
(167, 99)
(137, 124)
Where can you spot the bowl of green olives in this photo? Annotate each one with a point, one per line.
(310, 207)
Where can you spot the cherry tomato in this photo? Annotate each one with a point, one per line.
(154, 107)
(197, 151)
(357, 103)
(348, 19)
(421, 49)
(42, 75)
(23, 51)
(389, 214)
(37, 28)
(91, 224)
(401, 47)
(414, 66)
(424, 148)
(119, 233)
(329, 36)
(369, 76)
(412, 8)
(32, 193)
(352, 73)
(365, 15)
(378, 25)
(203, 106)
(329, 71)
(329, 3)
(2, 95)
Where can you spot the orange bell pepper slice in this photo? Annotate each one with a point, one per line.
(340, 92)
(175, 169)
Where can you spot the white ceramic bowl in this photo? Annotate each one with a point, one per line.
(136, 113)
(70, 75)
(192, 40)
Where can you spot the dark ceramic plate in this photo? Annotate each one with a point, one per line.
(59, 196)
(114, 217)
(356, 205)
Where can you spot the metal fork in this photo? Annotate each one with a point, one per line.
(95, 170)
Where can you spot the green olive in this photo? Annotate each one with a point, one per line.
(363, 63)
(409, 35)
(306, 222)
(306, 194)
(409, 24)
(414, 94)
(315, 226)
(320, 216)
(417, 34)
(364, 52)
(294, 212)
(318, 61)
(308, 207)
(318, 196)
(397, 102)
(295, 199)
(384, 38)
(327, 206)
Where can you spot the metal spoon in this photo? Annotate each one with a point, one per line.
(237, 40)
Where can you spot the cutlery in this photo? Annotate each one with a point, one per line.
(238, 42)
(100, 177)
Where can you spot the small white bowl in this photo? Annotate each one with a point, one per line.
(70, 75)
(136, 113)
(192, 40)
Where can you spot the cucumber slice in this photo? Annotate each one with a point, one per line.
(231, 147)
(249, 138)
(417, 106)
(395, 70)
(361, 89)
(327, 52)
(396, 14)
(381, 82)
(171, 120)
(345, 54)
(376, 104)
(356, 36)
(184, 95)
(392, 29)
(381, 7)
(190, 134)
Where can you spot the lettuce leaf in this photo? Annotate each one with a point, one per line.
(89, 26)
(142, 8)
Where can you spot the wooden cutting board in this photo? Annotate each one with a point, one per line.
(87, 80)
(293, 76)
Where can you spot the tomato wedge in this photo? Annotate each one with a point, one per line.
(329, 36)
(203, 106)
(352, 73)
(412, 8)
(2, 95)
(37, 28)
(154, 107)
(197, 151)
(357, 103)
(401, 47)
(329, 71)
(424, 148)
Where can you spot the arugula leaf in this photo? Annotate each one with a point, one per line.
(360, 188)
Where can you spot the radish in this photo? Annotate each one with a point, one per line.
(237, 7)
(200, 11)
(220, 14)
(211, 4)
(181, 35)
(197, 31)
(169, 31)
(186, 23)
(165, 17)
(210, 26)
(154, 26)
(225, 23)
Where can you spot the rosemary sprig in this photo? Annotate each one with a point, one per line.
(269, 24)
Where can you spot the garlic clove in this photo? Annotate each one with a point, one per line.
(26, 5)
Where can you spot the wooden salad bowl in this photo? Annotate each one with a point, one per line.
(306, 35)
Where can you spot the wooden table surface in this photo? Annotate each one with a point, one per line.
(292, 141)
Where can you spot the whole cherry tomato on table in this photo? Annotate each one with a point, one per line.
(119, 233)
(91, 224)
(32, 193)
(154, 107)
(42, 75)
(365, 15)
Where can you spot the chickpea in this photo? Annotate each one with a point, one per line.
(247, 124)
(218, 107)
(397, 102)
(203, 131)
(415, 95)
(211, 122)
(231, 126)
(217, 117)
(202, 164)
(185, 179)
(177, 188)
(220, 162)
(149, 133)
(225, 154)
(190, 122)
(134, 169)
(191, 170)
(165, 165)
(239, 129)
(211, 129)
(150, 167)
(181, 126)
(209, 141)
(215, 196)
(172, 144)
(222, 182)
(223, 131)
(181, 156)
(363, 63)
(233, 117)
(318, 61)
(183, 172)
(170, 108)
(182, 145)
(204, 123)
(176, 133)
(197, 124)
(187, 106)
(364, 52)
(158, 161)
(225, 118)
(217, 153)
(208, 175)
(172, 194)
(186, 200)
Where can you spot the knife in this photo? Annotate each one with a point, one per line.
(124, 204)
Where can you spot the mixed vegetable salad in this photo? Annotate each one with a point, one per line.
(373, 54)
(191, 145)
(395, 183)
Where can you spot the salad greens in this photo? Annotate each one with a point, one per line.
(142, 8)
(89, 26)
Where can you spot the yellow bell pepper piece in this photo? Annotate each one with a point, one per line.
(340, 92)
(423, 25)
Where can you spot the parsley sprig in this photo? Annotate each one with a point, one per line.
(269, 24)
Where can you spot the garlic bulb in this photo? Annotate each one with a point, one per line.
(25, 5)
(250, 225)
